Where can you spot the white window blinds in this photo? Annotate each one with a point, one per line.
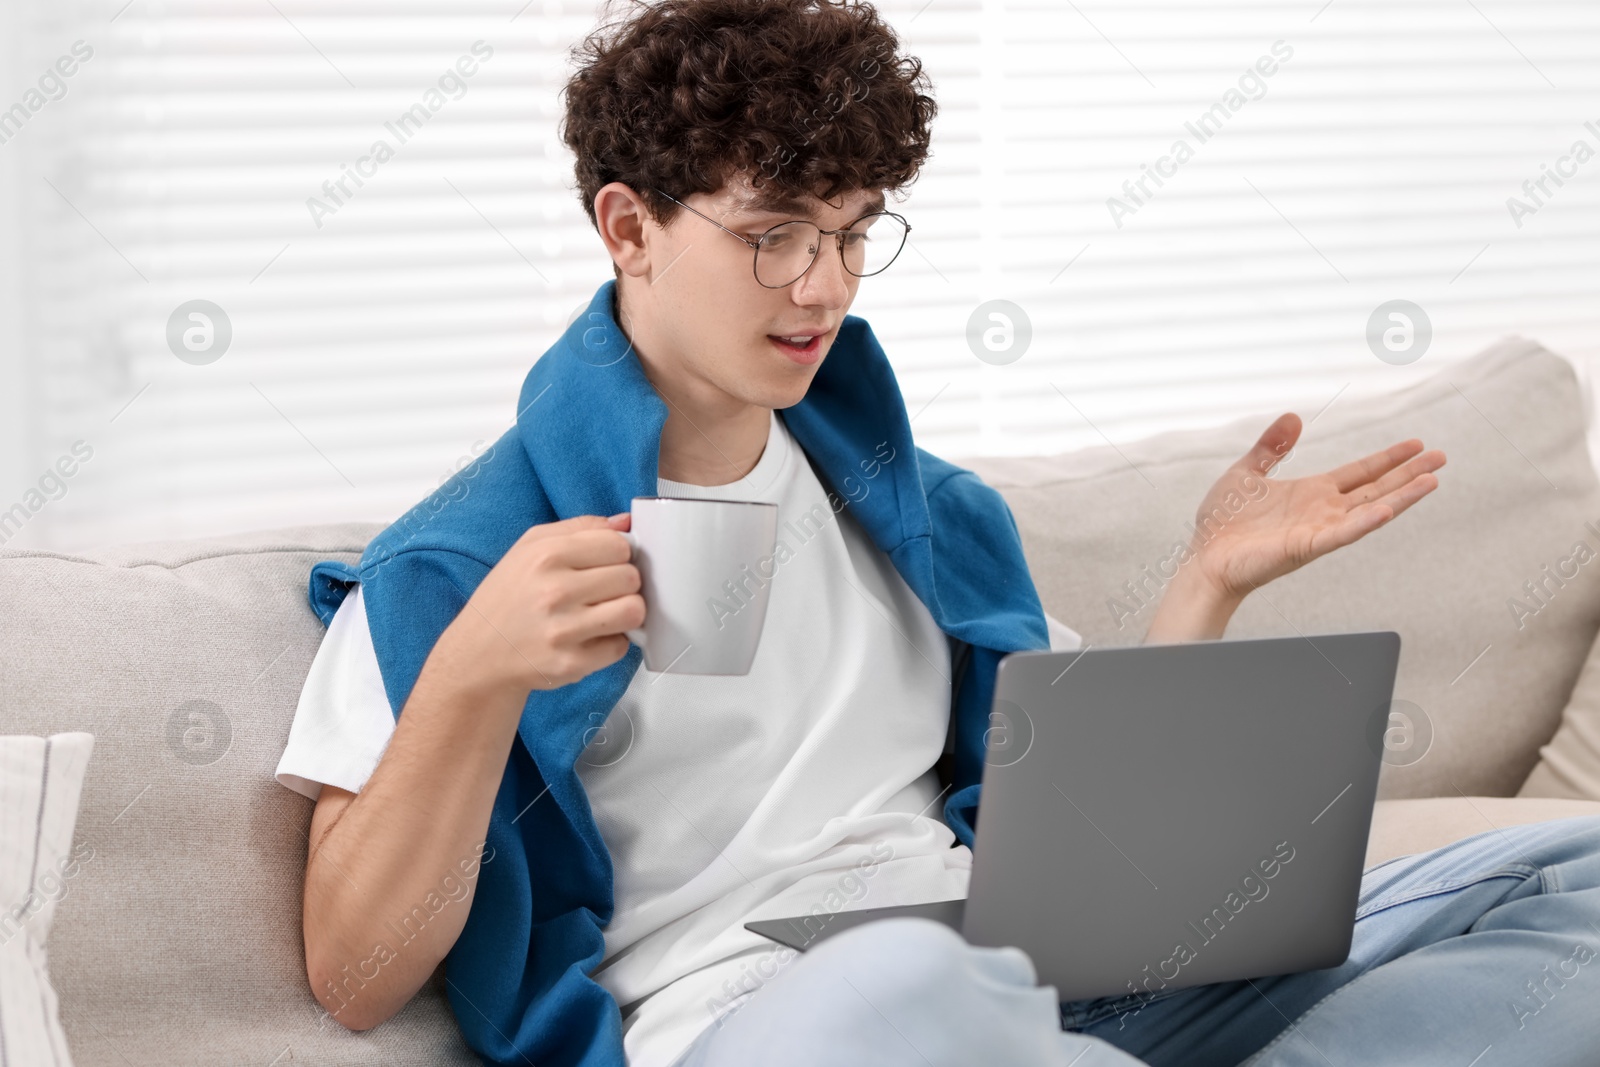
(384, 304)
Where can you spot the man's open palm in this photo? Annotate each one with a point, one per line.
(1298, 519)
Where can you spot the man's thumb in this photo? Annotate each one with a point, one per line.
(1274, 444)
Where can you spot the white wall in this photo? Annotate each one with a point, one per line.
(16, 434)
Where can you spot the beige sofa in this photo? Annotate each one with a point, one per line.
(178, 942)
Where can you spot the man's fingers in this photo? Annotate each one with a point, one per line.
(562, 527)
(584, 540)
(607, 618)
(1400, 476)
(1368, 468)
(1364, 518)
(1409, 493)
(596, 585)
(593, 547)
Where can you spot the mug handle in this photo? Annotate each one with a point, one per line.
(636, 636)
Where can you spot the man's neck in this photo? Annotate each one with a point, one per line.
(715, 451)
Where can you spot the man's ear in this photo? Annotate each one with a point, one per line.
(621, 216)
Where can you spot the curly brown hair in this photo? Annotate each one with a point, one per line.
(806, 97)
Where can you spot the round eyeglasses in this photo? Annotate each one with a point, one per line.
(786, 251)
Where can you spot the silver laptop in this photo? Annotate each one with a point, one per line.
(1164, 816)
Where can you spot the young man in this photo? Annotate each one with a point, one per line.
(501, 785)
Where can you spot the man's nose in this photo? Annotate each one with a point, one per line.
(825, 282)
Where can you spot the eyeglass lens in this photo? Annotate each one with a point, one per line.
(870, 245)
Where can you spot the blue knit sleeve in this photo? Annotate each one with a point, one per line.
(331, 582)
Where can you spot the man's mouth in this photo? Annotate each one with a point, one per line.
(803, 348)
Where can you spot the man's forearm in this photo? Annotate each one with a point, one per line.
(371, 938)
(1190, 610)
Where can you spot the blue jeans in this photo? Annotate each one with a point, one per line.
(1482, 953)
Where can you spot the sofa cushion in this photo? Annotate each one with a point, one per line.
(1405, 827)
(1483, 680)
(179, 942)
(41, 780)
(1569, 765)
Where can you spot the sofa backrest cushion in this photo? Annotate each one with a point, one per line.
(1487, 656)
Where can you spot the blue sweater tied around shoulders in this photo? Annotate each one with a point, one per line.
(586, 441)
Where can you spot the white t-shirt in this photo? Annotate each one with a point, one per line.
(805, 786)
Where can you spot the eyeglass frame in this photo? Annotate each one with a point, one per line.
(837, 235)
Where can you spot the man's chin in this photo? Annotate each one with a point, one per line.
(788, 394)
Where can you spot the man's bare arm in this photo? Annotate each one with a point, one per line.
(551, 613)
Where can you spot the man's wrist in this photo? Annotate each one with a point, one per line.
(1191, 609)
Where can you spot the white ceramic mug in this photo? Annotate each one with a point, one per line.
(705, 568)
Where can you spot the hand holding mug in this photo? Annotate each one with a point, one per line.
(555, 608)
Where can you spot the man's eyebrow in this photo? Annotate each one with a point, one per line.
(795, 208)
